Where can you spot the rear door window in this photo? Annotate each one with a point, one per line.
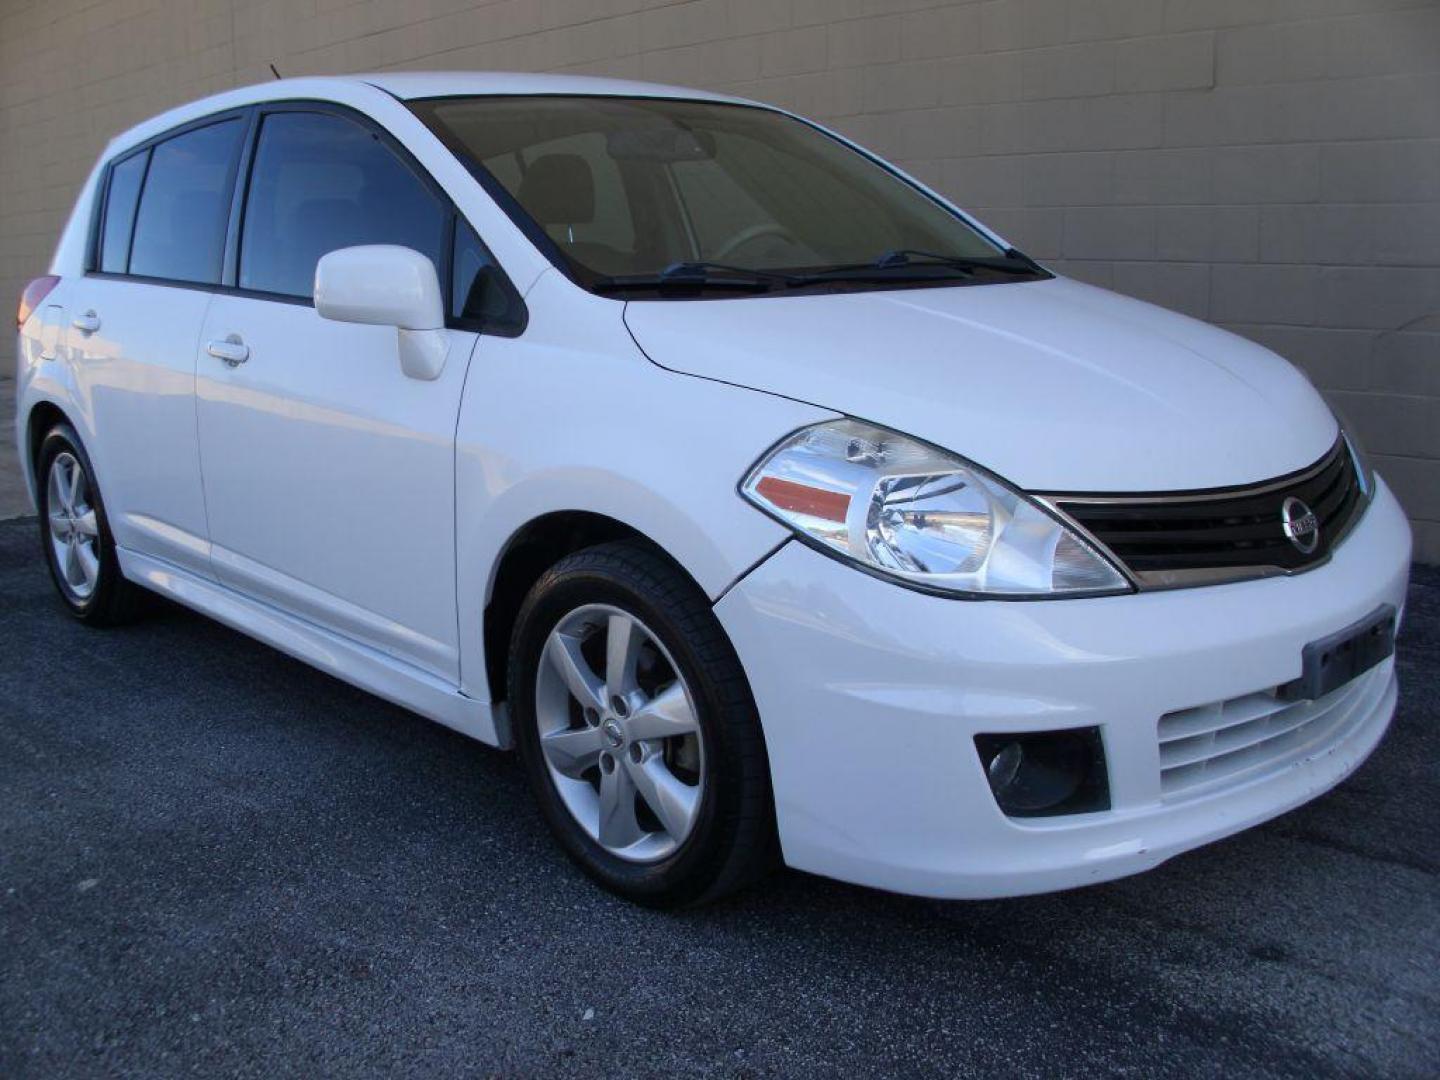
(321, 182)
(185, 204)
(120, 201)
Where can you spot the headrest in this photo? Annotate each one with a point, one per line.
(559, 189)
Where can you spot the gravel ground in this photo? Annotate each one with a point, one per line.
(215, 860)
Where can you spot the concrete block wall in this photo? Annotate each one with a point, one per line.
(1269, 165)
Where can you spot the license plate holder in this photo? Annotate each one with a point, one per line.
(1331, 662)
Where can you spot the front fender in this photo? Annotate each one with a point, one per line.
(571, 416)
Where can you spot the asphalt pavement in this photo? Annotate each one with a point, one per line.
(14, 500)
(214, 860)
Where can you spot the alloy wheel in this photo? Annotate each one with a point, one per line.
(619, 733)
(74, 528)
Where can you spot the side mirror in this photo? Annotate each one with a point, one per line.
(387, 285)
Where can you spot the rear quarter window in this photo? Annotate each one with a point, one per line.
(122, 196)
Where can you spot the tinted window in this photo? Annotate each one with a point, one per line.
(120, 203)
(574, 190)
(480, 292)
(633, 185)
(716, 204)
(321, 182)
(180, 228)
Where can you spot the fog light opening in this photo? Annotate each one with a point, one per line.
(1044, 773)
(1004, 767)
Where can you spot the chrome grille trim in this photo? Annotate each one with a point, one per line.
(1169, 540)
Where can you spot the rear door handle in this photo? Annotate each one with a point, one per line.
(87, 323)
(232, 350)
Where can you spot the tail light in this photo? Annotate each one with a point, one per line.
(33, 296)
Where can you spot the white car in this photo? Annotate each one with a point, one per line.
(771, 506)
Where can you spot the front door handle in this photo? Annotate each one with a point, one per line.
(87, 323)
(232, 350)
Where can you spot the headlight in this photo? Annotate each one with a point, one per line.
(915, 513)
(1363, 470)
(1358, 458)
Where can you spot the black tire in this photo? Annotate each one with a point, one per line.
(732, 842)
(113, 600)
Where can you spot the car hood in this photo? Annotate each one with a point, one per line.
(1055, 385)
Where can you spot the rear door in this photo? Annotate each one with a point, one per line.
(329, 474)
(134, 321)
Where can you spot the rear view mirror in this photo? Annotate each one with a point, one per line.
(387, 285)
(660, 144)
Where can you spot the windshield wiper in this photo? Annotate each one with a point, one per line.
(908, 260)
(1012, 262)
(695, 275)
(901, 264)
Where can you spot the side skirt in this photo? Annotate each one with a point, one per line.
(350, 661)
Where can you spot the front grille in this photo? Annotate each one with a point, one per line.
(1188, 539)
(1227, 742)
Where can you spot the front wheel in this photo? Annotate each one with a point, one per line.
(637, 729)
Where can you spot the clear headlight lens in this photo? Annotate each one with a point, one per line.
(1361, 463)
(1358, 458)
(918, 514)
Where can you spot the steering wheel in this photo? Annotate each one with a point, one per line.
(750, 234)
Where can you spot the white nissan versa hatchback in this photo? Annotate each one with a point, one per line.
(771, 506)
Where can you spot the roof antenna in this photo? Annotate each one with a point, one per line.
(274, 72)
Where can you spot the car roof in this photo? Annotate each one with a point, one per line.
(407, 86)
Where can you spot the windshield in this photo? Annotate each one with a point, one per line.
(624, 190)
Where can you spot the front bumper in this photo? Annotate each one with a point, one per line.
(871, 695)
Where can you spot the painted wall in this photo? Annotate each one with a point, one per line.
(1270, 165)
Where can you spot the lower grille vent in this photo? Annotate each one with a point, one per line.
(1227, 742)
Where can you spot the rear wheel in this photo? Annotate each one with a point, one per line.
(637, 729)
(75, 533)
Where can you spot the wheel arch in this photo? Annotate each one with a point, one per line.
(43, 416)
(532, 549)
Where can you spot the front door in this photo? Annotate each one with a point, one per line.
(329, 474)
